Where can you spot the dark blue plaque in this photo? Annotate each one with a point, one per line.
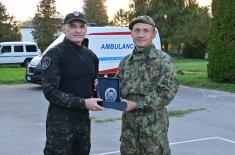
(108, 90)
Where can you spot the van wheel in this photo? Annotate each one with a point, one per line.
(26, 63)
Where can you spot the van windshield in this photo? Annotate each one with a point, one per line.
(55, 42)
(60, 39)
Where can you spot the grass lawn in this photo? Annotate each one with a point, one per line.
(191, 72)
(191, 65)
(12, 74)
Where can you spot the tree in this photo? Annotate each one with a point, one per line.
(95, 11)
(46, 24)
(139, 7)
(195, 29)
(9, 29)
(165, 14)
(180, 22)
(221, 56)
(121, 18)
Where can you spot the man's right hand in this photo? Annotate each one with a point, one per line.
(91, 104)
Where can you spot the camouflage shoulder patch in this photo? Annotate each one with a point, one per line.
(46, 62)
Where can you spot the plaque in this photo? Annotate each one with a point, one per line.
(108, 90)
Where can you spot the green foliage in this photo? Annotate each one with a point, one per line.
(95, 11)
(121, 18)
(9, 29)
(46, 24)
(181, 24)
(195, 32)
(165, 13)
(221, 47)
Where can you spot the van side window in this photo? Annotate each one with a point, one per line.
(18, 48)
(31, 48)
(6, 49)
(85, 42)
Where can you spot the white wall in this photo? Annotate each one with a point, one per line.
(26, 34)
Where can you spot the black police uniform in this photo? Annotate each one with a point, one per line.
(68, 73)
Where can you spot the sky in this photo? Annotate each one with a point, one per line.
(25, 9)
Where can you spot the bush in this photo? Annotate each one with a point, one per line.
(221, 48)
(197, 51)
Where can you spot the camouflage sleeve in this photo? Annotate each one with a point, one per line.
(164, 90)
(51, 76)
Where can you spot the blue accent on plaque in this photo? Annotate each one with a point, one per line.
(108, 90)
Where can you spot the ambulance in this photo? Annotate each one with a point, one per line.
(110, 44)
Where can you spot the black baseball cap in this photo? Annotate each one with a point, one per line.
(75, 16)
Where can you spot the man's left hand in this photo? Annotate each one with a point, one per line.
(131, 105)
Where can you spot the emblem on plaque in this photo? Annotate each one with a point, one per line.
(110, 95)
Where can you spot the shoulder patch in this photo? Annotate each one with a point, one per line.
(46, 62)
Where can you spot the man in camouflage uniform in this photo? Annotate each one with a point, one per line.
(68, 73)
(148, 83)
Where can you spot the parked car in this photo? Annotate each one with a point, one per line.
(18, 52)
(110, 44)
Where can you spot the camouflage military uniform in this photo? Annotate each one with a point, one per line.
(68, 73)
(147, 77)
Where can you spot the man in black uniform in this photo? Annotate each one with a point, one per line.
(68, 76)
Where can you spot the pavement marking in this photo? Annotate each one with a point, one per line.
(107, 153)
(227, 140)
(202, 139)
(194, 140)
(182, 142)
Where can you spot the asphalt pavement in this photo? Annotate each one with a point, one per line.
(209, 131)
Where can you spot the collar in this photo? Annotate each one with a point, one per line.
(148, 52)
(72, 44)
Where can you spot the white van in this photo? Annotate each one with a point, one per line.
(110, 44)
(18, 52)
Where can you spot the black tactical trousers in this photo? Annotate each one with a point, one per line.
(67, 135)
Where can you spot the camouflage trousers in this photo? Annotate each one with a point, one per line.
(67, 137)
(144, 134)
